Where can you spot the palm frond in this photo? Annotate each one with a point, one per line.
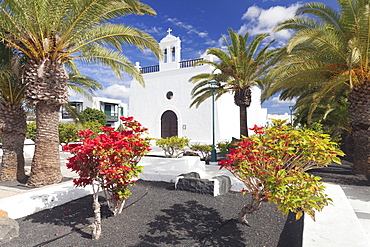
(83, 85)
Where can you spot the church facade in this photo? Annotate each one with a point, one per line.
(162, 105)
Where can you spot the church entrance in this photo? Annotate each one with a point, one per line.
(168, 124)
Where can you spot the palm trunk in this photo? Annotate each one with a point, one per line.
(243, 120)
(13, 133)
(45, 168)
(243, 98)
(361, 152)
(46, 88)
(12, 164)
(359, 117)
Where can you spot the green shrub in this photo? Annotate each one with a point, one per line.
(203, 150)
(90, 115)
(173, 146)
(225, 146)
(272, 165)
(335, 133)
(31, 131)
(94, 125)
(67, 133)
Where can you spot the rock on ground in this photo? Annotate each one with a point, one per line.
(9, 228)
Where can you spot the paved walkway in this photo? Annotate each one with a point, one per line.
(346, 223)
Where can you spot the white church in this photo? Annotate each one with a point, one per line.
(162, 105)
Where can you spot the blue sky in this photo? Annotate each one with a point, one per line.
(199, 24)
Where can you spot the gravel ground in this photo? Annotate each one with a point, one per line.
(157, 215)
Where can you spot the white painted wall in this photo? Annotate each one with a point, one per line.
(148, 104)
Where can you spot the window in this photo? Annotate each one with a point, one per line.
(173, 54)
(165, 56)
(169, 95)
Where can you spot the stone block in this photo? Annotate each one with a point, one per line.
(9, 228)
(192, 182)
(224, 184)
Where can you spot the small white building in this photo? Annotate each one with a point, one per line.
(162, 105)
(287, 117)
(113, 109)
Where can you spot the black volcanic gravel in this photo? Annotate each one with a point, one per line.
(157, 215)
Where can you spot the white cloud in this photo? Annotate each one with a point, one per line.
(189, 28)
(116, 91)
(194, 35)
(154, 30)
(278, 101)
(252, 13)
(104, 75)
(114, 88)
(259, 20)
(203, 34)
(73, 95)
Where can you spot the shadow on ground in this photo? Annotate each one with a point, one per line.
(340, 174)
(192, 220)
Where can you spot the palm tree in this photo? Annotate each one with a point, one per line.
(13, 113)
(52, 35)
(331, 52)
(241, 69)
(12, 117)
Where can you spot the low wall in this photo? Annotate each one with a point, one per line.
(167, 169)
(28, 203)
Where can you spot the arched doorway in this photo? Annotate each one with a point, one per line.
(168, 124)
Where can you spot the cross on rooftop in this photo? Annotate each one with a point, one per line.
(169, 31)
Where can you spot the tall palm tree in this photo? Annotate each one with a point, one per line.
(13, 113)
(332, 52)
(241, 68)
(12, 117)
(52, 35)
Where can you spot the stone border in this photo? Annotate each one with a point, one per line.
(28, 203)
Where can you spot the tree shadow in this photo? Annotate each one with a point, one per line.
(340, 174)
(22, 183)
(292, 234)
(76, 215)
(192, 224)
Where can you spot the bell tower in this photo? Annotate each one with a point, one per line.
(171, 47)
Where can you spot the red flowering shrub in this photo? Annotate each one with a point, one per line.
(272, 165)
(109, 158)
(108, 161)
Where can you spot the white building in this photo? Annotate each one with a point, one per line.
(162, 105)
(113, 109)
(287, 117)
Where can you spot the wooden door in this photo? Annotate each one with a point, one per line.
(168, 124)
